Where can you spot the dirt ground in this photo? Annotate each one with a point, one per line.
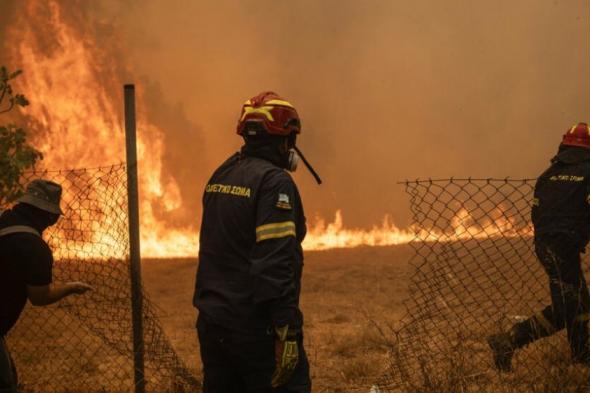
(349, 297)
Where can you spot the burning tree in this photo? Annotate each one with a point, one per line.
(16, 154)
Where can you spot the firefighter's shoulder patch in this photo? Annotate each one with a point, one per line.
(284, 202)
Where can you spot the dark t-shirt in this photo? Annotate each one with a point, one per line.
(25, 259)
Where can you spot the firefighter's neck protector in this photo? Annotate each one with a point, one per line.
(267, 147)
(280, 150)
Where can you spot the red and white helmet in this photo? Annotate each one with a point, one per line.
(275, 114)
(577, 135)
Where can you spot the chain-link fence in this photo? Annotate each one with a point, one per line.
(84, 343)
(475, 274)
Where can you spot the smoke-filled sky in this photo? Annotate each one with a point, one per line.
(387, 90)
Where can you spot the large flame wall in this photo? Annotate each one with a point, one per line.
(73, 82)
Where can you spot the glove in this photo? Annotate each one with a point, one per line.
(286, 355)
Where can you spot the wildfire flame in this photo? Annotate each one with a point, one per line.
(322, 236)
(463, 226)
(80, 123)
(70, 87)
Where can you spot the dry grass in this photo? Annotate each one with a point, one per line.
(344, 293)
(352, 301)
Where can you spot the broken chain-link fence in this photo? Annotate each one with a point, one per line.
(475, 273)
(84, 343)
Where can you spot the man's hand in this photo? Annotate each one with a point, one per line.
(286, 356)
(78, 288)
(44, 295)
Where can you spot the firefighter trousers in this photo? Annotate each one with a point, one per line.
(236, 362)
(570, 302)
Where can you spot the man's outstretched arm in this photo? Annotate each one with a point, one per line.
(43, 295)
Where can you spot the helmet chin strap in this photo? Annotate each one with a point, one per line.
(308, 165)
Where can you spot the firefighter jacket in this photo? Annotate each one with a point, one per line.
(561, 198)
(250, 255)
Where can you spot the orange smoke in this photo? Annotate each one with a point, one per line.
(78, 123)
(75, 88)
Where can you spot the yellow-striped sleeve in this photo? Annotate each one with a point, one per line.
(275, 230)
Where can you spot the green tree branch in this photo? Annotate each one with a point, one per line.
(16, 154)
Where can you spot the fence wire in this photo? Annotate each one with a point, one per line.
(84, 343)
(475, 274)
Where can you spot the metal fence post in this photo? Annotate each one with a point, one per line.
(134, 253)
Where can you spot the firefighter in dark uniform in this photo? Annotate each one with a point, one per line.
(250, 260)
(26, 264)
(561, 219)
